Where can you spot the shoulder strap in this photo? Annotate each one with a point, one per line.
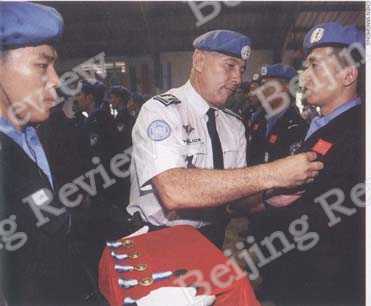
(167, 99)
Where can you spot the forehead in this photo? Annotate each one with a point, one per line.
(224, 57)
(319, 54)
(42, 52)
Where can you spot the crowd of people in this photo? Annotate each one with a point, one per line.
(190, 157)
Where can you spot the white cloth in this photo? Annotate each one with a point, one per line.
(174, 296)
(164, 136)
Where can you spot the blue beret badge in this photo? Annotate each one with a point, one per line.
(245, 52)
(159, 130)
(317, 35)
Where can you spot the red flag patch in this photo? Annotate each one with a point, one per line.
(273, 138)
(322, 147)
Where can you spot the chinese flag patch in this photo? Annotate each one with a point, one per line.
(273, 138)
(255, 127)
(322, 147)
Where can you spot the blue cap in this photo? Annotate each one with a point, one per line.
(121, 91)
(224, 41)
(278, 71)
(332, 34)
(96, 88)
(27, 24)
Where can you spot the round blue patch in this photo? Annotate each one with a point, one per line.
(159, 130)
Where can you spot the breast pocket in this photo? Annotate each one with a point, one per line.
(231, 157)
(196, 155)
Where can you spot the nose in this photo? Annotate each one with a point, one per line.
(305, 77)
(237, 77)
(53, 78)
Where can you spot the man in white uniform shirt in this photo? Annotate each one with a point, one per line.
(189, 153)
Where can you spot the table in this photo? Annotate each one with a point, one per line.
(170, 249)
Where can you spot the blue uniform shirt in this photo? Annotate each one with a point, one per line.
(28, 140)
(321, 121)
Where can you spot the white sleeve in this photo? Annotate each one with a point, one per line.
(157, 143)
(241, 159)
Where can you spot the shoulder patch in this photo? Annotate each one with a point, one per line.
(233, 114)
(167, 99)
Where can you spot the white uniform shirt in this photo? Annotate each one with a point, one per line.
(169, 134)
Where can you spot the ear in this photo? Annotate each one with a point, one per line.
(198, 60)
(350, 75)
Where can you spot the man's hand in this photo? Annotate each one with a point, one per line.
(294, 170)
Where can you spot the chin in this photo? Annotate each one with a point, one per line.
(313, 100)
(40, 117)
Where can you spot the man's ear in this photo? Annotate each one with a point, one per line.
(350, 75)
(198, 60)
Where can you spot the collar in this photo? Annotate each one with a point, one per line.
(195, 99)
(337, 111)
(9, 129)
(18, 136)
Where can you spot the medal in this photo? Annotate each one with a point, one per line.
(148, 281)
(125, 256)
(139, 268)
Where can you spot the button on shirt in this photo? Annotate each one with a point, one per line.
(176, 136)
(28, 140)
(321, 121)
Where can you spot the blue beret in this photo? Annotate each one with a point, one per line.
(278, 71)
(332, 34)
(27, 24)
(224, 41)
(96, 88)
(120, 91)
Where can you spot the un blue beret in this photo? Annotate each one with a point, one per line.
(120, 91)
(332, 34)
(224, 41)
(27, 24)
(278, 71)
(96, 88)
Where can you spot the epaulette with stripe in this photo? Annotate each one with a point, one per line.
(229, 112)
(167, 99)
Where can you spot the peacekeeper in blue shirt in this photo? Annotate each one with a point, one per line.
(331, 268)
(278, 131)
(189, 152)
(35, 263)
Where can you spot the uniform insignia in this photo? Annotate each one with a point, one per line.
(322, 147)
(317, 35)
(255, 127)
(245, 52)
(229, 112)
(273, 138)
(167, 99)
(294, 147)
(189, 160)
(40, 197)
(292, 126)
(120, 127)
(158, 130)
(94, 139)
(188, 129)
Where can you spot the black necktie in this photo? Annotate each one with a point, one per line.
(215, 140)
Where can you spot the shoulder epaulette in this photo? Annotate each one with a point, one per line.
(167, 99)
(233, 114)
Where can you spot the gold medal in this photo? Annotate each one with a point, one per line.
(133, 256)
(126, 243)
(140, 267)
(148, 281)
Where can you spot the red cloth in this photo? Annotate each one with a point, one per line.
(179, 247)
